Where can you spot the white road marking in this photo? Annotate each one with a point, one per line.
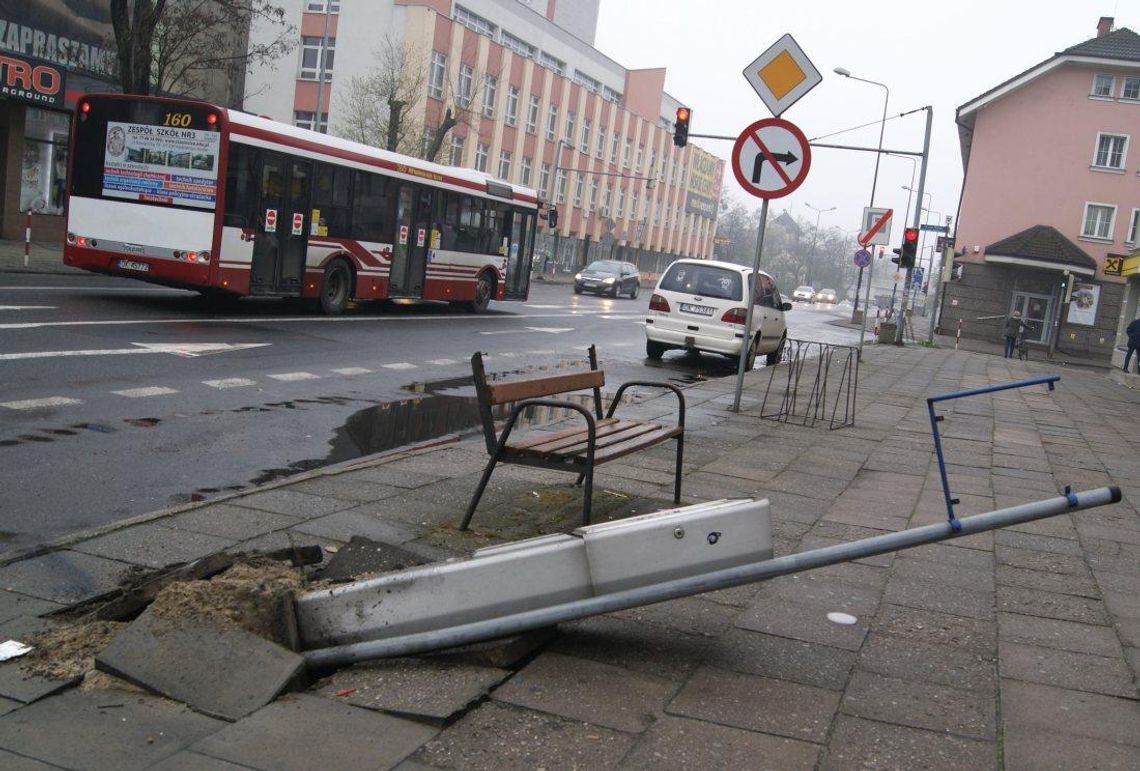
(290, 377)
(138, 393)
(450, 319)
(230, 382)
(399, 365)
(34, 404)
(187, 350)
(27, 307)
(442, 362)
(550, 330)
(353, 371)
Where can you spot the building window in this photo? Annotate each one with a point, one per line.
(579, 186)
(601, 149)
(1102, 85)
(436, 74)
(1098, 221)
(614, 148)
(505, 165)
(544, 177)
(1134, 227)
(561, 185)
(550, 63)
(311, 54)
(593, 195)
(481, 157)
(633, 204)
(532, 114)
(426, 140)
(1110, 151)
(519, 46)
(455, 157)
(640, 157)
(512, 106)
(585, 81)
(1131, 89)
(304, 120)
(625, 155)
(318, 6)
(584, 145)
(490, 91)
(620, 209)
(551, 122)
(474, 21)
(524, 171)
(466, 75)
(610, 95)
(570, 126)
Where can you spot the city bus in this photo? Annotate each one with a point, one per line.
(196, 196)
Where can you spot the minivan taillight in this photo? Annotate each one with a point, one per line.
(735, 316)
(658, 303)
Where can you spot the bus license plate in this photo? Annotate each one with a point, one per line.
(700, 310)
(142, 267)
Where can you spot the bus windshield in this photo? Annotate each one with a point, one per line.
(160, 153)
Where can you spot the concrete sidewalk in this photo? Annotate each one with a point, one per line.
(1016, 649)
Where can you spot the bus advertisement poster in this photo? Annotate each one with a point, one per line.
(161, 164)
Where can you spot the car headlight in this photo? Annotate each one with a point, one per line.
(577, 276)
(609, 280)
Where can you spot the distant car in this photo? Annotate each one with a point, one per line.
(826, 296)
(803, 294)
(701, 305)
(611, 277)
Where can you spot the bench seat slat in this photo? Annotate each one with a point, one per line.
(621, 433)
(535, 388)
(577, 436)
(553, 436)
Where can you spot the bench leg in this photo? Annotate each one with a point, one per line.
(588, 493)
(479, 492)
(677, 473)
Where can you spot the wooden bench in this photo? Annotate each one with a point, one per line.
(577, 449)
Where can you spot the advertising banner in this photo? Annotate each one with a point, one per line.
(703, 194)
(161, 164)
(32, 80)
(1082, 307)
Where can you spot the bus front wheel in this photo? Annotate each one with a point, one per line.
(336, 286)
(484, 289)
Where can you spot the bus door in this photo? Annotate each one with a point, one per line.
(520, 250)
(282, 239)
(413, 240)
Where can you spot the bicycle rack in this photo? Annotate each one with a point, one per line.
(806, 403)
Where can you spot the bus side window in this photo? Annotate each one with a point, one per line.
(498, 228)
(240, 193)
(331, 198)
(372, 208)
(470, 238)
(449, 236)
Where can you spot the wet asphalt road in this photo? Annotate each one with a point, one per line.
(120, 398)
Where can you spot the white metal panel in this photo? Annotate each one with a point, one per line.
(159, 226)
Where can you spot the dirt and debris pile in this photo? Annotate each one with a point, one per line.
(68, 652)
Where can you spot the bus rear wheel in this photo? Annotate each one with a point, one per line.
(484, 289)
(336, 286)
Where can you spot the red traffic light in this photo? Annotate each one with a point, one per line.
(910, 235)
(681, 127)
(682, 113)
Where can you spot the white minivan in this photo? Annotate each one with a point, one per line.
(701, 305)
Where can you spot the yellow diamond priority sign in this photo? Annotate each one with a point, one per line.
(782, 74)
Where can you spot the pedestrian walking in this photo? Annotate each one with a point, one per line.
(1014, 326)
(1133, 332)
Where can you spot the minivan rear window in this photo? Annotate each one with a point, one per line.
(704, 280)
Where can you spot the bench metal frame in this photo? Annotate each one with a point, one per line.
(576, 450)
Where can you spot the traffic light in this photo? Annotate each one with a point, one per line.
(909, 248)
(552, 217)
(681, 127)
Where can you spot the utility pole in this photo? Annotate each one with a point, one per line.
(942, 278)
(917, 221)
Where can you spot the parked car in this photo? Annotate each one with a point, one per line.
(611, 277)
(804, 294)
(827, 296)
(700, 305)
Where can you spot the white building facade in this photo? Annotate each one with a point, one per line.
(543, 109)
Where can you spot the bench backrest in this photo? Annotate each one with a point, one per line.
(490, 394)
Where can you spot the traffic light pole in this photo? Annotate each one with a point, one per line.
(917, 222)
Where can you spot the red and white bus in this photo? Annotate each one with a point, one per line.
(192, 195)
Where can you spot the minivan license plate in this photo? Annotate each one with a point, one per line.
(142, 267)
(700, 310)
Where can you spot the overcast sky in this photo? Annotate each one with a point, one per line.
(939, 55)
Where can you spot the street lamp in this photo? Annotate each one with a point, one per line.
(815, 237)
(874, 181)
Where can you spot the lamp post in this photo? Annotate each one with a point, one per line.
(815, 237)
(874, 182)
(926, 196)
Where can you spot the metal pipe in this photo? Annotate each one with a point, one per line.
(793, 563)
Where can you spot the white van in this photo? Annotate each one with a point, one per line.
(700, 305)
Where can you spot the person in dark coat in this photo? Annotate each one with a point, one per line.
(1014, 326)
(1133, 332)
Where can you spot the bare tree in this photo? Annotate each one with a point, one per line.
(461, 100)
(378, 104)
(176, 46)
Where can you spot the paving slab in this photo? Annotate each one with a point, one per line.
(1033, 602)
(1079, 713)
(933, 596)
(153, 546)
(14, 605)
(1066, 669)
(781, 658)
(588, 691)
(293, 731)
(193, 761)
(1057, 634)
(291, 503)
(1035, 749)
(427, 689)
(815, 588)
(363, 556)
(102, 730)
(11, 762)
(500, 737)
(920, 705)
(690, 615)
(24, 687)
(925, 662)
(219, 670)
(236, 523)
(1079, 586)
(638, 647)
(951, 576)
(859, 743)
(344, 525)
(757, 704)
(936, 628)
(800, 621)
(683, 744)
(63, 576)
